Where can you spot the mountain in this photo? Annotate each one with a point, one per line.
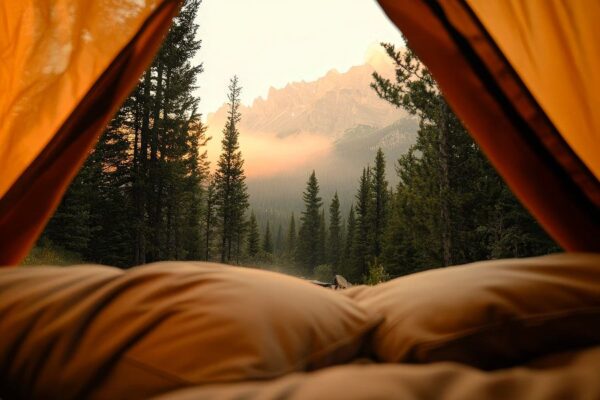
(360, 143)
(326, 107)
(273, 197)
(333, 125)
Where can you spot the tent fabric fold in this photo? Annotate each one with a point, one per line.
(519, 75)
(67, 67)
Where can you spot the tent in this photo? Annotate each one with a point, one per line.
(67, 66)
(521, 74)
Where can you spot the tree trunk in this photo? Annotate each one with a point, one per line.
(154, 180)
(209, 210)
(444, 184)
(142, 172)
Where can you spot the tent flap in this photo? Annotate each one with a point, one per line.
(517, 74)
(68, 67)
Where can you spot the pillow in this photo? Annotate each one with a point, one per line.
(574, 377)
(487, 314)
(98, 332)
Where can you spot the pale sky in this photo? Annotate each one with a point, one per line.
(274, 42)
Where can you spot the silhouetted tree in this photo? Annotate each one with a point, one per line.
(309, 237)
(230, 181)
(335, 237)
(253, 237)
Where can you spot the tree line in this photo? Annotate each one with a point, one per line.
(449, 207)
(147, 193)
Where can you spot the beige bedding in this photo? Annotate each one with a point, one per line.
(572, 376)
(199, 330)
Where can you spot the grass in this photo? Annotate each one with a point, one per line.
(45, 253)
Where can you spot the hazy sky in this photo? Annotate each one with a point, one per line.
(274, 42)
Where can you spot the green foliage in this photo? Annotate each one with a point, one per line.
(230, 182)
(367, 230)
(145, 193)
(514, 233)
(253, 240)
(309, 242)
(72, 224)
(322, 247)
(347, 268)
(210, 219)
(450, 206)
(380, 202)
(335, 234)
(268, 241)
(376, 274)
(46, 253)
(291, 242)
(363, 236)
(279, 246)
(323, 273)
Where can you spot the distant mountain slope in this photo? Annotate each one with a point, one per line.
(326, 107)
(277, 195)
(360, 143)
(333, 125)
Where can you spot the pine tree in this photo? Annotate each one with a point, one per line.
(416, 91)
(253, 241)
(239, 239)
(279, 244)
(170, 169)
(513, 232)
(209, 218)
(445, 207)
(110, 202)
(71, 226)
(401, 251)
(192, 192)
(364, 225)
(380, 200)
(268, 242)
(335, 235)
(348, 270)
(308, 240)
(230, 185)
(291, 243)
(322, 249)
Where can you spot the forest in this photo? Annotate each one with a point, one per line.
(148, 193)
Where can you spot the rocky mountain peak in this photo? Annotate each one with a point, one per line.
(326, 107)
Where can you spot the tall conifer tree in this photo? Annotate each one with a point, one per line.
(444, 209)
(322, 248)
(335, 234)
(291, 242)
(230, 181)
(308, 240)
(268, 241)
(349, 270)
(253, 237)
(209, 219)
(364, 225)
(380, 200)
(279, 245)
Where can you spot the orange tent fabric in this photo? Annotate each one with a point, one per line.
(521, 74)
(66, 67)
